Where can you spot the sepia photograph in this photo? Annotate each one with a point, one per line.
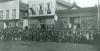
(49, 25)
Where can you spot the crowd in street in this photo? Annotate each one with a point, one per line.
(55, 35)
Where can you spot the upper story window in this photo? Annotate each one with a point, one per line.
(1, 14)
(32, 10)
(14, 14)
(48, 8)
(7, 14)
(41, 9)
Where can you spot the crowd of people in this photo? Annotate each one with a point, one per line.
(55, 35)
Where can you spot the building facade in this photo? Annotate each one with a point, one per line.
(11, 13)
(83, 17)
(44, 14)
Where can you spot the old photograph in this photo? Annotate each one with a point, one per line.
(49, 25)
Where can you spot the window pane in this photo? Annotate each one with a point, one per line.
(14, 14)
(7, 14)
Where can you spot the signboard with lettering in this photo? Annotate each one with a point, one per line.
(41, 7)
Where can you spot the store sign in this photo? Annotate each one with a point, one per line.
(41, 7)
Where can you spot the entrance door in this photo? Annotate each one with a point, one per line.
(43, 26)
(42, 23)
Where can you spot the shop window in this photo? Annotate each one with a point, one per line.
(33, 25)
(12, 24)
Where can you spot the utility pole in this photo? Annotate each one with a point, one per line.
(98, 16)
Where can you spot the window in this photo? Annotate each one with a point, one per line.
(7, 14)
(32, 10)
(41, 10)
(12, 24)
(1, 14)
(33, 25)
(14, 14)
(48, 8)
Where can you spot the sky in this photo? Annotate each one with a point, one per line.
(85, 3)
(81, 3)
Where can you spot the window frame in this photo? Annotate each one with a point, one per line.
(1, 15)
(40, 9)
(7, 14)
(13, 13)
